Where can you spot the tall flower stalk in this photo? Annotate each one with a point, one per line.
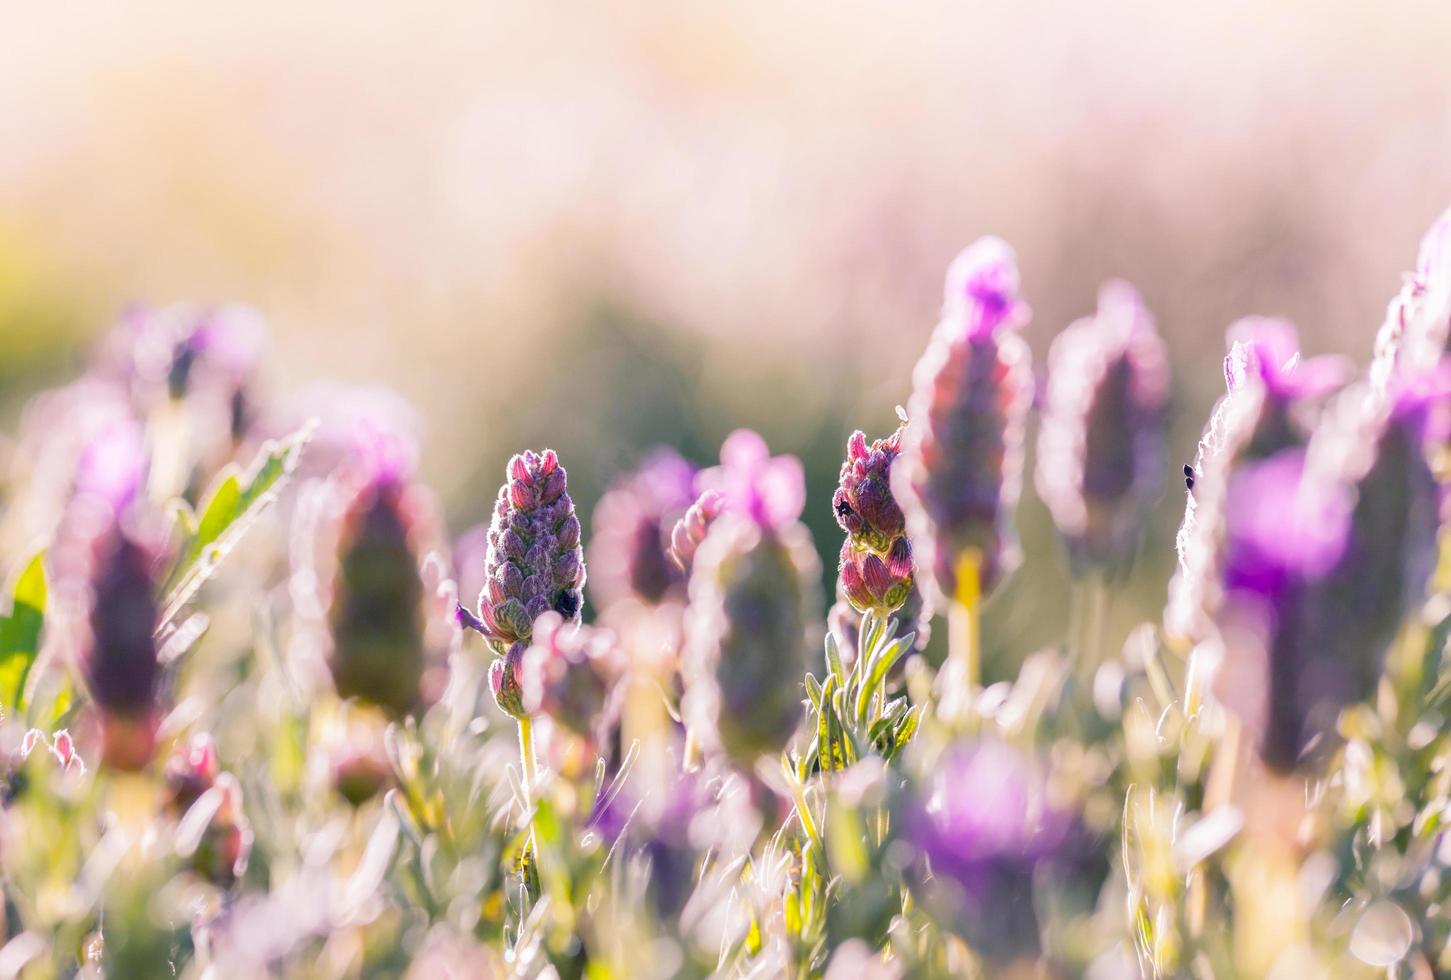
(534, 565)
(1100, 464)
(962, 452)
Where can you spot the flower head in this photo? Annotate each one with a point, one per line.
(986, 827)
(1101, 449)
(629, 552)
(377, 617)
(534, 562)
(770, 490)
(121, 663)
(863, 503)
(962, 452)
(750, 629)
(1267, 409)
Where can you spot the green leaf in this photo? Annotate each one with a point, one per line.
(833, 657)
(881, 662)
(813, 691)
(225, 516)
(20, 635)
(823, 724)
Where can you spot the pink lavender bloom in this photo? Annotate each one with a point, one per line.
(534, 562)
(691, 529)
(962, 453)
(629, 552)
(986, 829)
(1101, 448)
(377, 616)
(863, 503)
(875, 567)
(750, 629)
(571, 674)
(770, 490)
(1265, 411)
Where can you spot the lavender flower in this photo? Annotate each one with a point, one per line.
(377, 618)
(121, 664)
(534, 563)
(986, 829)
(768, 490)
(1101, 449)
(1327, 550)
(1266, 410)
(750, 625)
(691, 529)
(1283, 534)
(863, 503)
(571, 674)
(962, 453)
(629, 553)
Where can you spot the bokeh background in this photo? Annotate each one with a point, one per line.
(604, 227)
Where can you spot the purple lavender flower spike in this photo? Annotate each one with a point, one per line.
(377, 617)
(1326, 552)
(121, 663)
(1271, 392)
(535, 563)
(985, 828)
(1101, 448)
(863, 503)
(962, 453)
(629, 553)
(750, 629)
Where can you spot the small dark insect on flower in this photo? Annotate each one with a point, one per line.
(1188, 478)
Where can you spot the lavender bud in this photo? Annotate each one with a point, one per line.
(1101, 447)
(534, 562)
(876, 583)
(985, 828)
(691, 529)
(749, 635)
(121, 665)
(629, 552)
(571, 674)
(962, 453)
(377, 615)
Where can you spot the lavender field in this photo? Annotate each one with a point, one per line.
(758, 493)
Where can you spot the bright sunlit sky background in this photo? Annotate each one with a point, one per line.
(600, 227)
